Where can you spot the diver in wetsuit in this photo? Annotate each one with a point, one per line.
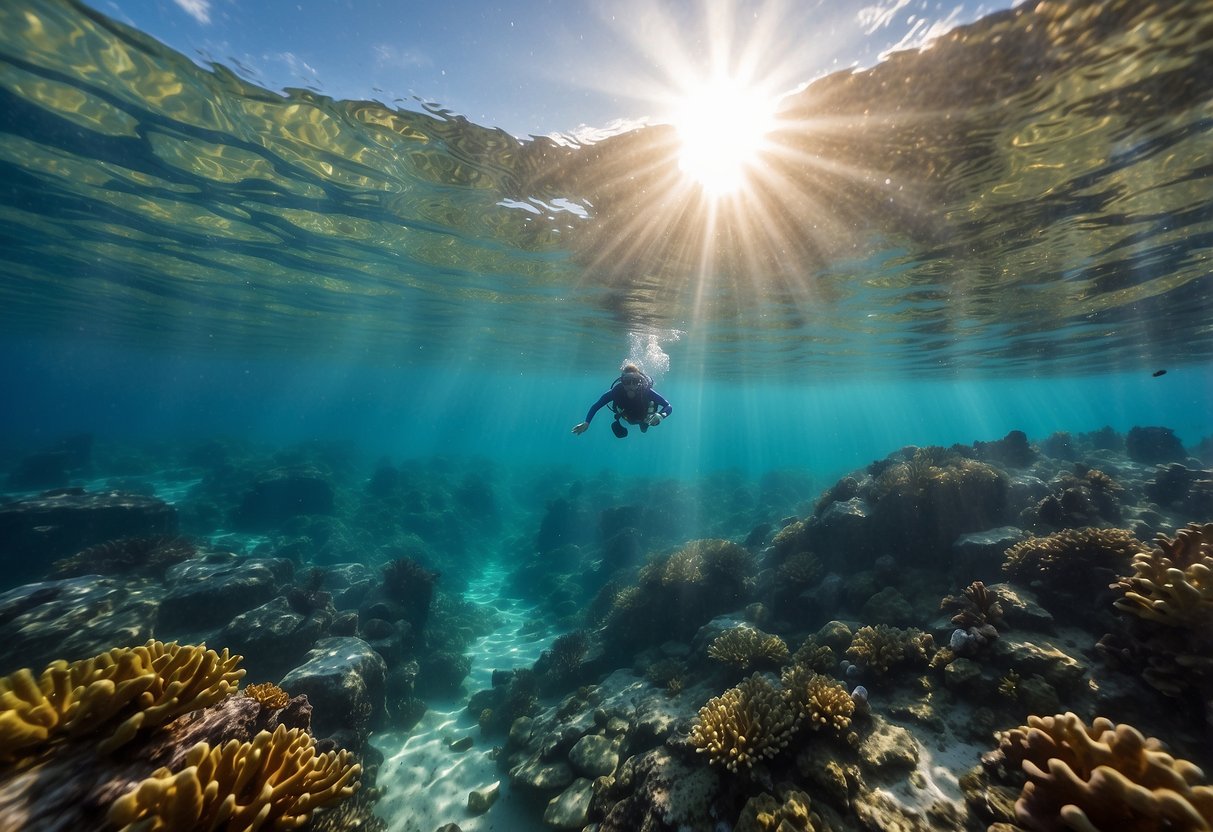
(632, 399)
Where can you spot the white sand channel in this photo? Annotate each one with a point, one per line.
(424, 783)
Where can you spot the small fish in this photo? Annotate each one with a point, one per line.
(1158, 373)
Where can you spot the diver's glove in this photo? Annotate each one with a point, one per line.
(655, 420)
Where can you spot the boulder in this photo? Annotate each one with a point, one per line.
(72, 619)
(281, 494)
(1154, 445)
(274, 637)
(209, 592)
(479, 800)
(887, 746)
(571, 808)
(344, 679)
(978, 556)
(594, 756)
(53, 525)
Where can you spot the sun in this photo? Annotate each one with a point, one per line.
(722, 128)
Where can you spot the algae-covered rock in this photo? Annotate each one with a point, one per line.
(570, 809)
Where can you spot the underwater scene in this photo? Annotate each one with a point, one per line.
(365, 466)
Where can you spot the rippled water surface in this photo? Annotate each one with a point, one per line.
(1032, 192)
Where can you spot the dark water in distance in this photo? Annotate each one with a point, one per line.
(1010, 229)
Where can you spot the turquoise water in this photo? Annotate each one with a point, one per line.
(1008, 231)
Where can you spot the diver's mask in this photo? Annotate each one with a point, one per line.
(632, 382)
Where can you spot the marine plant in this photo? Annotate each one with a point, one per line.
(113, 695)
(277, 780)
(747, 648)
(882, 648)
(747, 724)
(1101, 777)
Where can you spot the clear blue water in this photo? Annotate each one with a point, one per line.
(1008, 231)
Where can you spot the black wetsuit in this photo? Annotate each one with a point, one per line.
(634, 409)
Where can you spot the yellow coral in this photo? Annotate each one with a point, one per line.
(268, 695)
(1172, 584)
(799, 570)
(817, 698)
(276, 780)
(744, 725)
(747, 647)
(119, 692)
(815, 656)
(1103, 777)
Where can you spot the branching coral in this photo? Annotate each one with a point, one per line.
(268, 695)
(1170, 596)
(746, 647)
(977, 607)
(1172, 584)
(1073, 561)
(815, 656)
(276, 780)
(817, 699)
(882, 648)
(799, 570)
(116, 694)
(1102, 777)
(746, 724)
(709, 560)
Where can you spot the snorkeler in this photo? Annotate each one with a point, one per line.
(632, 399)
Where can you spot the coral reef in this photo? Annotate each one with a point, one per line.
(748, 648)
(747, 724)
(412, 585)
(817, 699)
(1101, 777)
(1073, 563)
(883, 648)
(116, 693)
(276, 780)
(129, 555)
(268, 695)
(765, 813)
(976, 607)
(815, 656)
(1169, 603)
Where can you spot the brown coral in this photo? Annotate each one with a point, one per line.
(276, 780)
(1170, 598)
(746, 647)
(1102, 777)
(815, 656)
(1073, 561)
(765, 813)
(882, 648)
(976, 607)
(116, 694)
(746, 724)
(817, 699)
(142, 555)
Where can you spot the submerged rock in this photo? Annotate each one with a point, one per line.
(37, 531)
(210, 592)
(571, 808)
(73, 619)
(344, 680)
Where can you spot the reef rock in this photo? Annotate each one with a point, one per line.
(1153, 445)
(344, 680)
(72, 619)
(37, 531)
(209, 592)
(274, 637)
(978, 556)
(888, 746)
(594, 756)
(570, 809)
(281, 494)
